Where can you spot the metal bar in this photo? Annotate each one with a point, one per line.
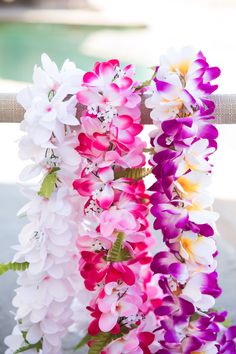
(12, 112)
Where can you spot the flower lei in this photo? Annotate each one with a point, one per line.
(83, 259)
(115, 263)
(47, 246)
(183, 143)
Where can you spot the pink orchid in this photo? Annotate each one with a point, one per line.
(102, 187)
(108, 84)
(136, 202)
(117, 220)
(126, 344)
(115, 302)
(92, 147)
(120, 272)
(124, 130)
(133, 157)
(93, 241)
(93, 268)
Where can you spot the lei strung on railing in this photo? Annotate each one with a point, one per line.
(47, 246)
(83, 259)
(181, 204)
(114, 260)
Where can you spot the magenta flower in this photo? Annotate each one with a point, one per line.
(108, 85)
(102, 187)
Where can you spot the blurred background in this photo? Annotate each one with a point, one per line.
(133, 31)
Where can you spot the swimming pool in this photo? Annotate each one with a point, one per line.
(21, 46)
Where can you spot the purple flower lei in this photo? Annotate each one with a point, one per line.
(182, 144)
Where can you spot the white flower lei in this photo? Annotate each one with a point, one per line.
(47, 243)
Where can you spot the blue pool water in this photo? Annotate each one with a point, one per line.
(21, 46)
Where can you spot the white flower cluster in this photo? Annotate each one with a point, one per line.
(48, 242)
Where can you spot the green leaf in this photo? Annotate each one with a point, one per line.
(49, 184)
(150, 150)
(114, 253)
(13, 266)
(100, 341)
(153, 68)
(124, 255)
(134, 173)
(147, 82)
(227, 323)
(51, 94)
(83, 341)
(143, 84)
(37, 346)
(118, 253)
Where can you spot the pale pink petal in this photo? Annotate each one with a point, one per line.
(109, 287)
(87, 97)
(127, 308)
(133, 100)
(125, 137)
(107, 321)
(112, 95)
(90, 125)
(106, 303)
(135, 237)
(125, 83)
(106, 174)
(122, 121)
(107, 71)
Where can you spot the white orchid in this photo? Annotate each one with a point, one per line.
(192, 292)
(194, 158)
(177, 62)
(50, 103)
(192, 183)
(199, 209)
(57, 155)
(198, 252)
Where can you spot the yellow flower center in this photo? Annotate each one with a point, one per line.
(186, 244)
(188, 186)
(194, 207)
(182, 67)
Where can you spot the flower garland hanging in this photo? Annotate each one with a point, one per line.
(183, 143)
(47, 246)
(114, 261)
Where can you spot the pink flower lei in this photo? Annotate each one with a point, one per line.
(84, 258)
(115, 262)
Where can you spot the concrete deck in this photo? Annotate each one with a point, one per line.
(70, 17)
